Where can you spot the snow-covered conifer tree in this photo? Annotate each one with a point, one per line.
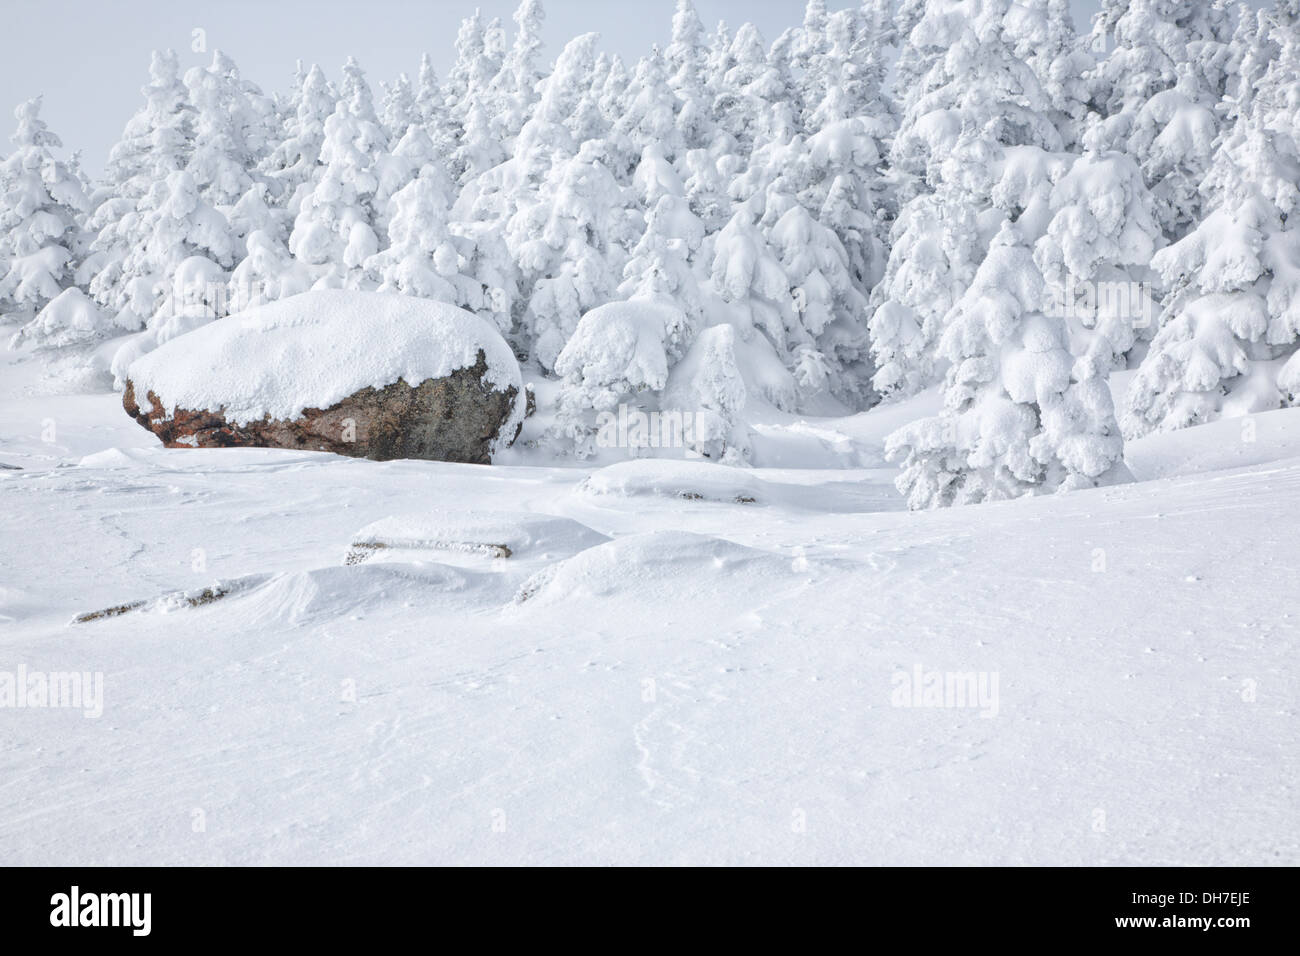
(293, 162)
(228, 130)
(175, 279)
(42, 207)
(1044, 37)
(684, 59)
(648, 115)
(398, 111)
(750, 91)
(708, 385)
(431, 110)
(513, 90)
(568, 247)
(974, 102)
(828, 341)
(706, 189)
(157, 141)
(1020, 415)
(1158, 90)
(1228, 338)
(423, 257)
(334, 230)
(1095, 256)
(755, 297)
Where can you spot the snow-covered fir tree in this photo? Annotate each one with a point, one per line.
(684, 59)
(294, 160)
(334, 232)
(1228, 339)
(176, 278)
(513, 91)
(229, 130)
(1020, 414)
(975, 101)
(423, 257)
(1095, 255)
(157, 141)
(42, 207)
(1158, 89)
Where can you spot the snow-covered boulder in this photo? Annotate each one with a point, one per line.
(362, 374)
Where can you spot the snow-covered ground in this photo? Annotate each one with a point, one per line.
(676, 662)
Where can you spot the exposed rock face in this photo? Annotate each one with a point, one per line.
(455, 418)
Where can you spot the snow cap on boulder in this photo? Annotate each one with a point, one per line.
(288, 374)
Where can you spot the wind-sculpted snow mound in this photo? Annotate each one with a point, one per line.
(295, 598)
(322, 595)
(357, 373)
(495, 534)
(680, 564)
(689, 480)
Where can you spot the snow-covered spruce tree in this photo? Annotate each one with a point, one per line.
(978, 82)
(810, 43)
(157, 141)
(1096, 255)
(423, 258)
(621, 352)
(1228, 339)
(914, 59)
(293, 162)
(661, 267)
(706, 189)
(1158, 90)
(42, 207)
(431, 110)
(743, 104)
(614, 89)
(556, 213)
(841, 181)
(394, 170)
(175, 278)
(615, 353)
(684, 59)
(828, 347)
(1250, 51)
(648, 116)
(974, 103)
(478, 146)
(707, 384)
(717, 63)
(568, 246)
(334, 231)
(430, 105)
(513, 91)
(1045, 38)
(159, 137)
(588, 120)
(229, 130)
(747, 277)
(465, 81)
(1020, 415)
(397, 111)
(265, 273)
(486, 260)
(254, 212)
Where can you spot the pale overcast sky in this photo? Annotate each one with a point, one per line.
(90, 57)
